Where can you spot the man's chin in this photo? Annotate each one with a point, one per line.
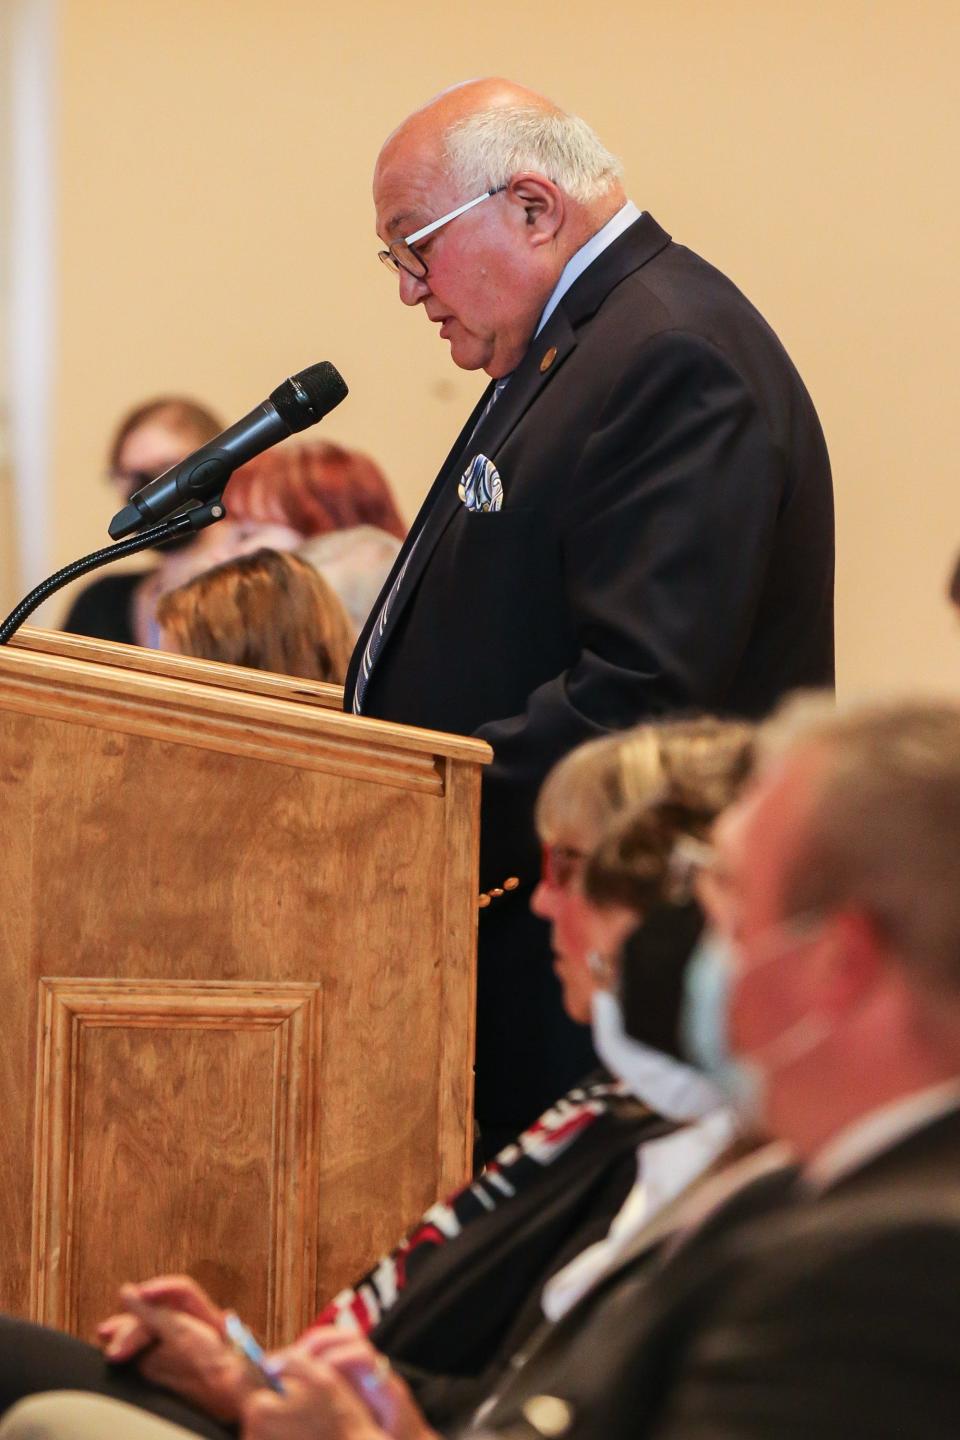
(468, 353)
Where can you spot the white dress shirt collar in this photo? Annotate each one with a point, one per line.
(586, 255)
(883, 1128)
(665, 1168)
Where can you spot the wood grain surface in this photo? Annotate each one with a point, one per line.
(236, 987)
(179, 667)
(234, 1131)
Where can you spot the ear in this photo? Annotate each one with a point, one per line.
(540, 204)
(849, 959)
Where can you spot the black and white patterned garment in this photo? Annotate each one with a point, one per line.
(363, 1306)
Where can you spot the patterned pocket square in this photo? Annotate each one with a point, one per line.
(480, 487)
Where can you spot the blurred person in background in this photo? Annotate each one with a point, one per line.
(267, 611)
(464, 1291)
(279, 500)
(355, 562)
(119, 605)
(339, 501)
(315, 489)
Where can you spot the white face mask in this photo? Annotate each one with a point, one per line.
(669, 1087)
(705, 1028)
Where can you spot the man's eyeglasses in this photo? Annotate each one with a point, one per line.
(401, 254)
(561, 865)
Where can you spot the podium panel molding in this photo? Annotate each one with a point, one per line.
(98, 1129)
(259, 727)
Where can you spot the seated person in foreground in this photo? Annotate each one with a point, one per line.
(473, 1281)
(817, 1301)
(267, 611)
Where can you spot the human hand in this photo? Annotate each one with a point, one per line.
(188, 1353)
(321, 1401)
(369, 1375)
(123, 1336)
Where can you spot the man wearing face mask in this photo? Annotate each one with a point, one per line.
(814, 1299)
(458, 1301)
(817, 1299)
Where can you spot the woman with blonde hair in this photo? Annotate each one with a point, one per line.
(465, 1290)
(267, 611)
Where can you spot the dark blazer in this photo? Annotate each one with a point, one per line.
(665, 544)
(787, 1316)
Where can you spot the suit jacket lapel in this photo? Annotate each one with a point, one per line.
(443, 501)
(531, 376)
(546, 1356)
(538, 367)
(413, 535)
(633, 248)
(628, 253)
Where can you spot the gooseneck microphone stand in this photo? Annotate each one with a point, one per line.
(177, 525)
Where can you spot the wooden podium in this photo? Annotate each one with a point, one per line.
(237, 944)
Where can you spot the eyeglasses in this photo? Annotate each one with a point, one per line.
(401, 254)
(560, 865)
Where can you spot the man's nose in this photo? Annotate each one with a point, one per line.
(412, 288)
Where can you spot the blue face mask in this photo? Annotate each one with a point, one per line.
(705, 1027)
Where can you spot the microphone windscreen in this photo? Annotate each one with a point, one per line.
(306, 398)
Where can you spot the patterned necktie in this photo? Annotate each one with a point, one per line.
(375, 640)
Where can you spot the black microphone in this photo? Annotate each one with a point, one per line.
(298, 402)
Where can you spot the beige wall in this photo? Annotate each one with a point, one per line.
(9, 575)
(216, 231)
(9, 570)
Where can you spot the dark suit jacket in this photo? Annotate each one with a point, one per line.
(665, 544)
(834, 1317)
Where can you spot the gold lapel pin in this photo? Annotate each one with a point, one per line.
(548, 359)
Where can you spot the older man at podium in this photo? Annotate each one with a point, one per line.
(635, 520)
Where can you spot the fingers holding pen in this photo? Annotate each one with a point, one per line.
(368, 1373)
(126, 1334)
(179, 1292)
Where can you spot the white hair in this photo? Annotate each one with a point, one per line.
(484, 150)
